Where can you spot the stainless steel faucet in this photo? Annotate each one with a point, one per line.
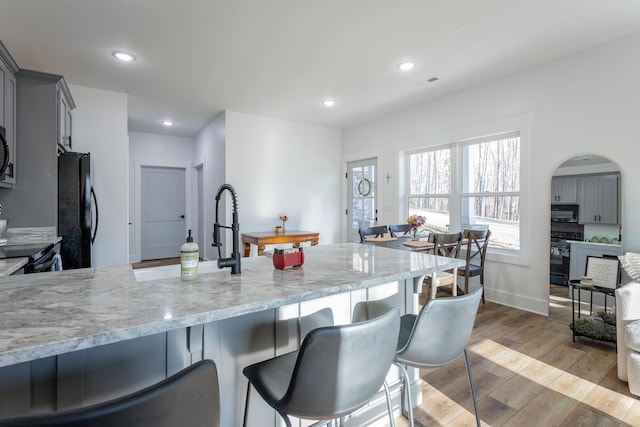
(234, 261)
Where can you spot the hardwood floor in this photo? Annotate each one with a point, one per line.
(528, 372)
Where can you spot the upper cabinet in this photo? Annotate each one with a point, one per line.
(8, 68)
(43, 103)
(599, 199)
(564, 189)
(65, 105)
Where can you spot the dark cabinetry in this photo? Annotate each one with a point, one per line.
(8, 68)
(43, 100)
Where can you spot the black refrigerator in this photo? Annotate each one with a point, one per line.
(77, 208)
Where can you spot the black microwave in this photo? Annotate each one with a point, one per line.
(564, 213)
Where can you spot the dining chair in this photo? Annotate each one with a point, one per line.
(475, 242)
(396, 229)
(376, 231)
(337, 370)
(435, 337)
(189, 398)
(445, 245)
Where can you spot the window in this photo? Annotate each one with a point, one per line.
(491, 188)
(475, 183)
(430, 187)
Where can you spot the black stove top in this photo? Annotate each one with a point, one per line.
(567, 235)
(33, 251)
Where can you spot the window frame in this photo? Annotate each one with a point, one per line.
(470, 135)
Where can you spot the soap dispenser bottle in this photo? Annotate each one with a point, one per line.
(189, 256)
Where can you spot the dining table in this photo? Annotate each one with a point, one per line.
(421, 245)
(404, 243)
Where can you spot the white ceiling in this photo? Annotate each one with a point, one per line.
(280, 58)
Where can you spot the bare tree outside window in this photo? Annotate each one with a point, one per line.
(430, 187)
(489, 190)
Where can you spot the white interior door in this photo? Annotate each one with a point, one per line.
(163, 207)
(361, 187)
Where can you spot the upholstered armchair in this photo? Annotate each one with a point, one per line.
(628, 323)
(628, 334)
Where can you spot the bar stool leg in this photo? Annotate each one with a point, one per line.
(473, 392)
(389, 409)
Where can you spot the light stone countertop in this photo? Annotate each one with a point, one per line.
(29, 235)
(580, 242)
(25, 236)
(8, 266)
(54, 313)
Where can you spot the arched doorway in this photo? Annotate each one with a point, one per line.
(586, 220)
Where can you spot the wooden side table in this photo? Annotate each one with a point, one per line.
(271, 238)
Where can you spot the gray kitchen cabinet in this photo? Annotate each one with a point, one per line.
(33, 202)
(564, 189)
(8, 68)
(64, 118)
(599, 199)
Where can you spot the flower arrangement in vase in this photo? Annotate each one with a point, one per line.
(416, 222)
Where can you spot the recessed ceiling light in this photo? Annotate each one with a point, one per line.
(168, 122)
(406, 66)
(329, 102)
(123, 56)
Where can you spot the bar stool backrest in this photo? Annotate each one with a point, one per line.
(442, 330)
(188, 398)
(340, 368)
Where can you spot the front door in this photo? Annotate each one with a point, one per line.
(163, 206)
(361, 185)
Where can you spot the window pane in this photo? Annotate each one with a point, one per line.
(493, 166)
(434, 209)
(430, 172)
(364, 213)
(500, 214)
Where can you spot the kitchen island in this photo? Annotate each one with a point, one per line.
(73, 338)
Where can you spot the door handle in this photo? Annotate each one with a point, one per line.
(182, 216)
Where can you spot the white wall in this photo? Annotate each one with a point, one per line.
(164, 151)
(100, 127)
(210, 153)
(586, 103)
(280, 167)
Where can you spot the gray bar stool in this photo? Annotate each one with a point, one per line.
(337, 370)
(437, 336)
(187, 398)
